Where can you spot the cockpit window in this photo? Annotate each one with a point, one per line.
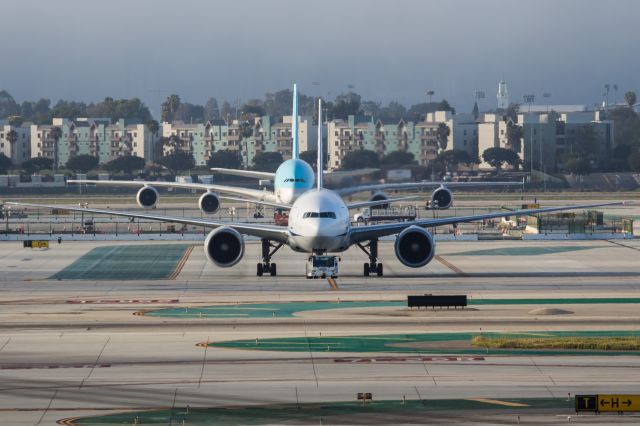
(327, 215)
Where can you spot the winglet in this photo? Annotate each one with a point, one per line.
(294, 123)
(320, 165)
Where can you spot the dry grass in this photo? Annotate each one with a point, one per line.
(630, 343)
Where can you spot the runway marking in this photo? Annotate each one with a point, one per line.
(623, 245)
(450, 265)
(181, 263)
(498, 402)
(119, 301)
(333, 283)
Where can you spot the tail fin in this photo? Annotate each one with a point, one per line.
(294, 123)
(320, 166)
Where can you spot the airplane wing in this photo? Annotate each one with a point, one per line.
(272, 232)
(360, 204)
(262, 203)
(363, 233)
(225, 189)
(418, 185)
(244, 173)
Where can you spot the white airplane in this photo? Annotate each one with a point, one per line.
(319, 223)
(293, 178)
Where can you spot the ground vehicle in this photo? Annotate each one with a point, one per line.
(369, 214)
(322, 267)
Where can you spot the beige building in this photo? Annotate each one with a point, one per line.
(492, 133)
(18, 149)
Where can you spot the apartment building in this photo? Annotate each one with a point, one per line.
(265, 135)
(382, 137)
(15, 142)
(63, 139)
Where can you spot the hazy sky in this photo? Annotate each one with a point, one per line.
(390, 50)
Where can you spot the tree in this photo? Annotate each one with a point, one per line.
(8, 105)
(267, 161)
(444, 106)
(82, 163)
(496, 157)
(451, 159)
(360, 159)
(169, 107)
(514, 135)
(310, 157)
(177, 162)
(56, 134)
(225, 159)
(346, 104)
(211, 110)
(630, 98)
(126, 164)
(398, 158)
(577, 166)
(37, 164)
(12, 136)
(5, 164)
(226, 112)
(442, 135)
(153, 127)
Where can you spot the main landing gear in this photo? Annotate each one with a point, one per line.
(371, 250)
(268, 250)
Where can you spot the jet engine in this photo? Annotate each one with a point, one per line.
(415, 247)
(379, 196)
(441, 198)
(209, 202)
(224, 246)
(147, 197)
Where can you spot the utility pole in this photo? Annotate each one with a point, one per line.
(528, 99)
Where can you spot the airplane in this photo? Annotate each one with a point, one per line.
(319, 223)
(293, 178)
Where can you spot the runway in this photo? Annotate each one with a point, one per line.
(74, 348)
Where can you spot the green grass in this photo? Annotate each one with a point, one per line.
(609, 343)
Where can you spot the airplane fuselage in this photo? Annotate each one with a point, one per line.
(319, 222)
(293, 178)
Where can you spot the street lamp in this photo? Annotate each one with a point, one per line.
(430, 93)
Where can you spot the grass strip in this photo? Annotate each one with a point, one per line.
(615, 343)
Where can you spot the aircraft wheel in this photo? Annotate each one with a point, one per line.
(366, 269)
(273, 270)
(259, 270)
(380, 269)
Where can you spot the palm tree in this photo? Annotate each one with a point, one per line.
(56, 134)
(442, 135)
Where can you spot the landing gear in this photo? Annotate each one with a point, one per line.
(371, 250)
(268, 250)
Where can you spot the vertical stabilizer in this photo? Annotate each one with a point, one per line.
(320, 164)
(294, 123)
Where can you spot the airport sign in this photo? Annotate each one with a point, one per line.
(618, 403)
(607, 403)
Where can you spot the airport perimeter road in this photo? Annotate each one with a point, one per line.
(74, 348)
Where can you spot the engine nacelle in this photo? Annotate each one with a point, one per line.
(415, 247)
(209, 202)
(224, 246)
(147, 197)
(379, 196)
(441, 198)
